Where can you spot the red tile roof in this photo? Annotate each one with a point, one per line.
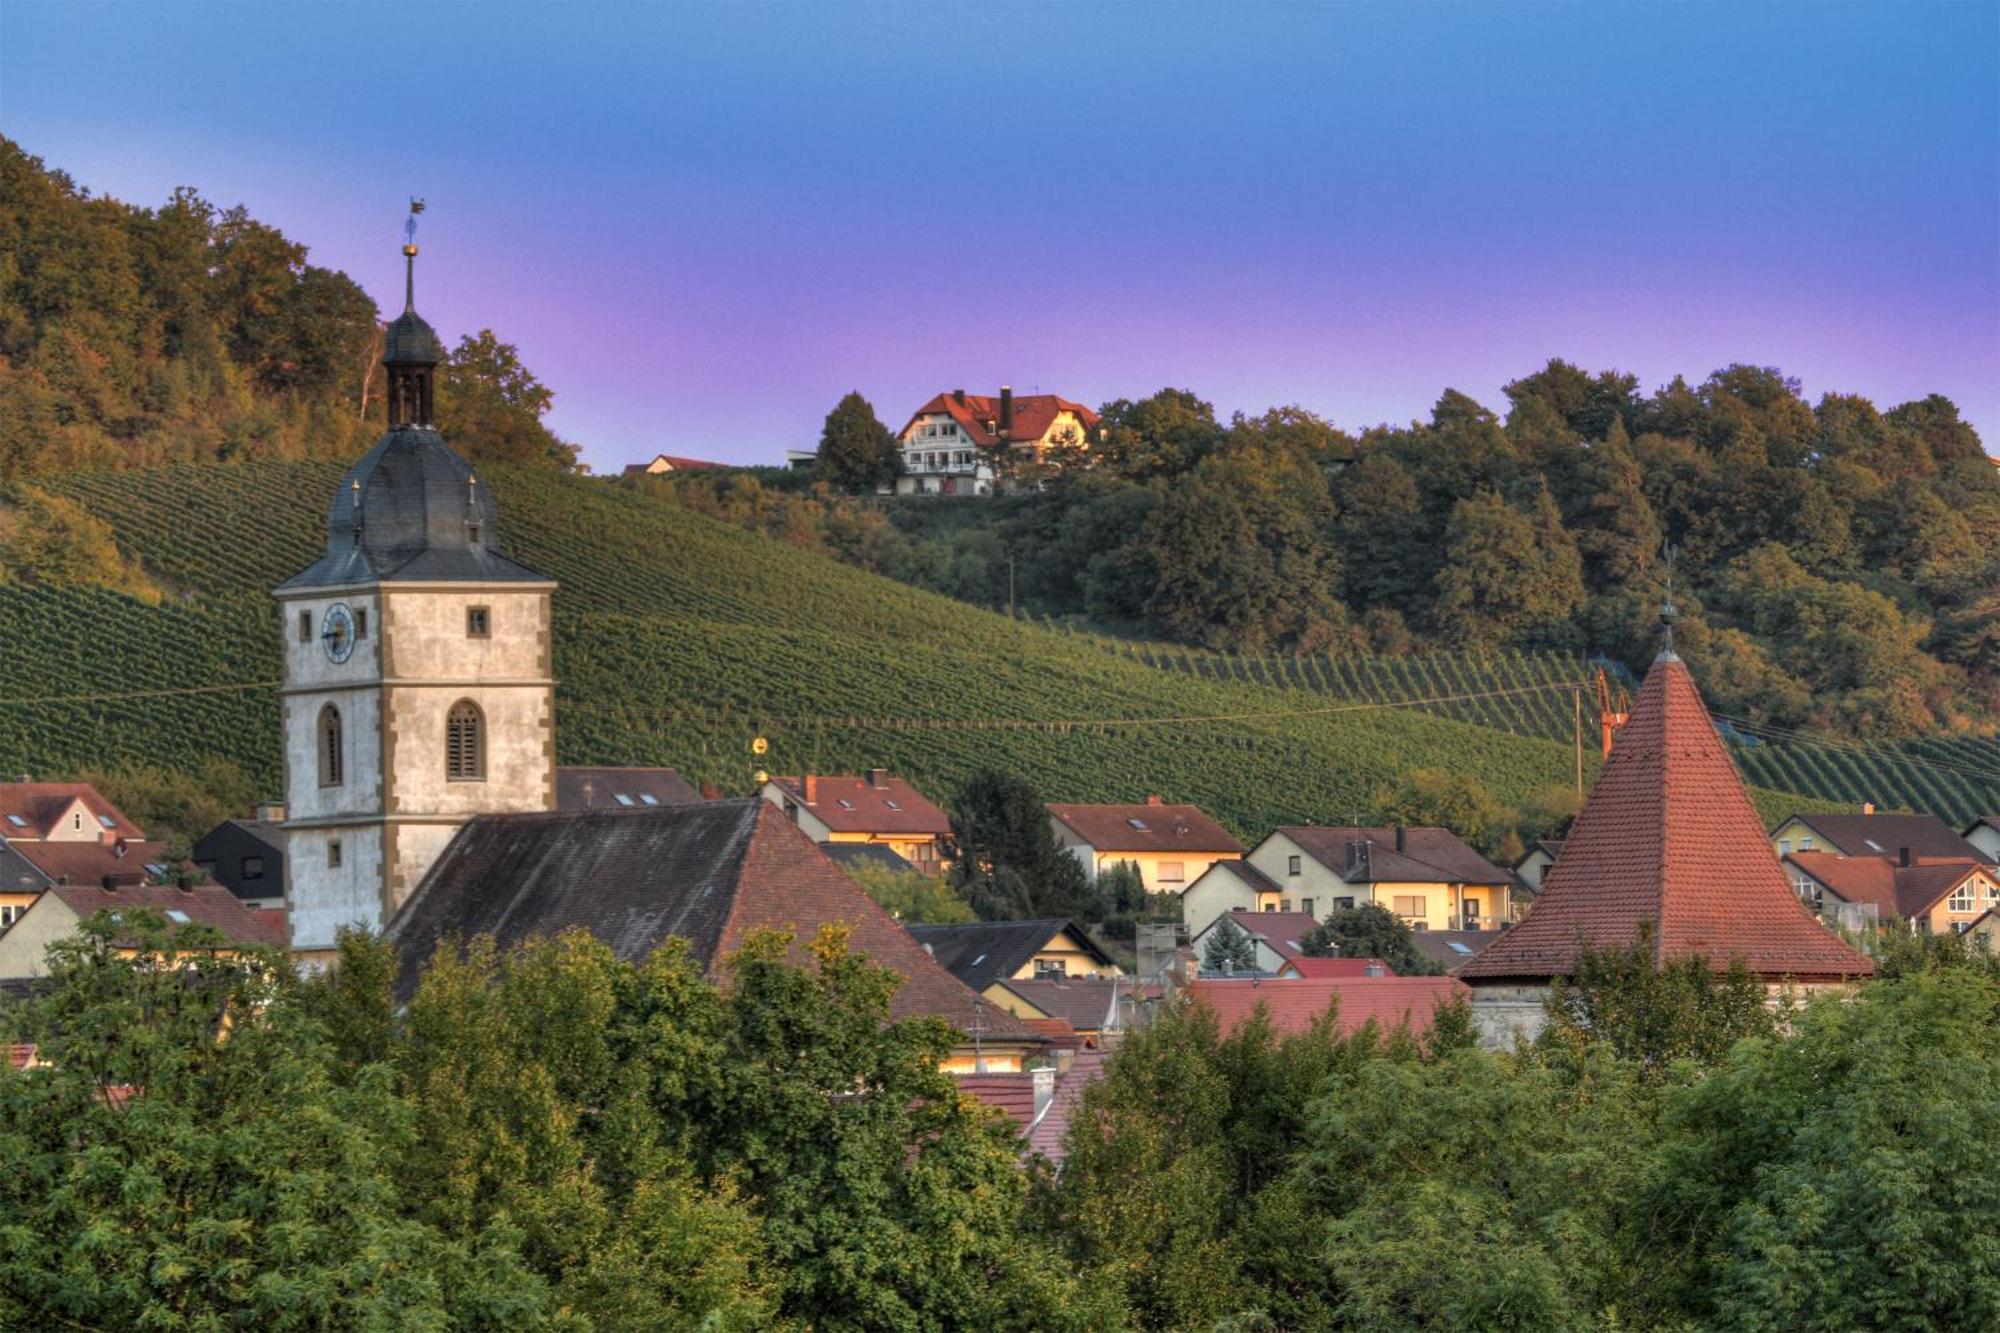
(1669, 838)
(674, 462)
(38, 805)
(1034, 413)
(1897, 891)
(879, 804)
(1390, 1002)
(1320, 969)
(1062, 1037)
(1147, 827)
(90, 862)
(1011, 1094)
(202, 905)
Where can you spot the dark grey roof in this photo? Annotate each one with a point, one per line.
(1083, 1002)
(1887, 835)
(988, 951)
(409, 341)
(629, 788)
(864, 853)
(1244, 871)
(631, 878)
(1452, 947)
(409, 509)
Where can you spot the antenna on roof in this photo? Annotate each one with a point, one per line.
(1668, 611)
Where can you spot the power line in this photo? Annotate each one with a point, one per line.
(138, 694)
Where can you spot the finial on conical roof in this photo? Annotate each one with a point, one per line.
(410, 256)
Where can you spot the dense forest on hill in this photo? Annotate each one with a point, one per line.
(133, 337)
(1838, 566)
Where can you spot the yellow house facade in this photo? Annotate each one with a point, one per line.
(1426, 876)
(1171, 846)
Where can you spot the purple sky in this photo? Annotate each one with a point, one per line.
(703, 224)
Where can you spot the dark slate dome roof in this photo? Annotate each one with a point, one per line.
(411, 508)
(410, 341)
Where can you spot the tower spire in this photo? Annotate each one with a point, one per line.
(410, 347)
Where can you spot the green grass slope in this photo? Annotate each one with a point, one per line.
(678, 640)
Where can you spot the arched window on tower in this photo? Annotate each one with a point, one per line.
(465, 743)
(332, 761)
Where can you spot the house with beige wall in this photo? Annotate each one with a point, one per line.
(1935, 897)
(1984, 835)
(948, 445)
(1427, 876)
(1171, 846)
(874, 807)
(56, 914)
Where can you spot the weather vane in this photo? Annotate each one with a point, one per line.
(410, 226)
(410, 254)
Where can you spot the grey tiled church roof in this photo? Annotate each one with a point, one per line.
(410, 509)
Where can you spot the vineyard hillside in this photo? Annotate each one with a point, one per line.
(678, 640)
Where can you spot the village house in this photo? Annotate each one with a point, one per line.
(1427, 876)
(1169, 845)
(57, 912)
(1872, 834)
(709, 873)
(984, 953)
(1935, 896)
(1984, 835)
(247, 856)
(1667, 849)
(948, 446)
(58, 833)
(1983, 934)
(1535, 862)
(1276, 938)
(876, 807)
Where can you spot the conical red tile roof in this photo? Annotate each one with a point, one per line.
(1669, 836)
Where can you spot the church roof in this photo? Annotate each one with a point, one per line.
(1669, 838)
(411, 509)
(710, 873)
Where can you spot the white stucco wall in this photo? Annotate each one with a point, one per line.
(1986, 838)
(25, 944)
(349, 894)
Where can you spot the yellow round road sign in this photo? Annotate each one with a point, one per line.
(759, 746)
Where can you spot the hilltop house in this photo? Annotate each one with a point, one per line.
(709, 873)
(1427, 876)
(1667, 849)
(1169, 845)
(949, 443)
(875, 807)
(661, 464)
(1933, 895)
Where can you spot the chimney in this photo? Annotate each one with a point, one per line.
(1154, 799)
(185, 884)
(958, 396)
(1903, 857)
(1868, 807)
(118, 849)
(1374, 970)
(1399, 837)
(810, 788)
(878, 778)
(1045, 1090)
(1006, 409)
(270, 812)
(710, 792)
(109, 883)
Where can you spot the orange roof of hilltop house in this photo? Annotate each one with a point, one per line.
(661, 463)
(876, 802)
(1896, 890)
(1669, 839)
(1390, 1002)
(31, 811)
(1151, 826)
(979, 415)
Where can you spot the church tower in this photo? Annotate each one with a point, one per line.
(418, 688)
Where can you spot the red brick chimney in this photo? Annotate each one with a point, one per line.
(878, 778)
(1154, 799)
(809, 785)
(1903, 857)
(1006, 409)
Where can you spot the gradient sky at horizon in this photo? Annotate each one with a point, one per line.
(704, 223)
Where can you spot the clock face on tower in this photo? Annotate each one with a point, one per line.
(337, 632)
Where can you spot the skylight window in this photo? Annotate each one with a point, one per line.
(845, 804)
(1872, 843)
(892, 805)
(1456, 947)
(647, 798)
(17, 821)
(177, 916)
(1139, 824)
(156, 867)
(621, 798)
(107, 821)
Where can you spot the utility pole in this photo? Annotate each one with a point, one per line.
(1576, 733)
(1010, 584)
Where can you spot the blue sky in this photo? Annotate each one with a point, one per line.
(704, 223)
